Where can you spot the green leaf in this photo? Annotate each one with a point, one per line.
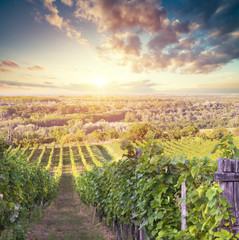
(214, 211)
(237, 235)
(212, 202)
(200, 190)
(195, 171)
(222, 234)
(211, 192)
(161, 234)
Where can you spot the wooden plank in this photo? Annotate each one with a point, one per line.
(226, 177)
(228, 190)
(227, 165)
(236, 202)
(237, 166)
(220, 164)
(233, 164)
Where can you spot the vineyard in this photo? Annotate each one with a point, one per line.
(86, 156)
(143, 191)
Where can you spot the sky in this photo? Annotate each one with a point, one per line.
(118, 47)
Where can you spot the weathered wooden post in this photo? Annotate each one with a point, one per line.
(228, 177)
(141, 234)
(183, 206)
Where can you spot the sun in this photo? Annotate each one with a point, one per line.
(100, 81)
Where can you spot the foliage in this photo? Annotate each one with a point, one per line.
(229, 149)
(95, 161)
(41, 155)
(140, 131)
(145, 188)
(3, 146)
(236, 132)
(58, 133)
(23, 186)
(219, 133)
(48, 167)
(58, 172)
(32, 153)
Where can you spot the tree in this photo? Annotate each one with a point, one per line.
(130, 117)
(140, 131)
(219, 133)
(235, 132)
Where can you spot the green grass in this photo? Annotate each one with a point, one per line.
(68, 218)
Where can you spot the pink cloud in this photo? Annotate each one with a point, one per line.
(36, 68)
(4, 69)
(9, 63)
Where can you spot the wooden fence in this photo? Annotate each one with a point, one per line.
(228, 177)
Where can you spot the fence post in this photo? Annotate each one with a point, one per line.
(228, 177)
(183, 206)
(141, 234)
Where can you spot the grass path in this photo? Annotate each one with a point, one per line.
(68, 218)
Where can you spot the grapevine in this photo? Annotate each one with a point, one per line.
(25, 149)
(48, 167)
(23, 186)
(58, 172)
(75, 172)
(87, 167)
(146, 190)
(32, 152)
(41, 156)
(95, 161)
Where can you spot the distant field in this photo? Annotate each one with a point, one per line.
(211, 129)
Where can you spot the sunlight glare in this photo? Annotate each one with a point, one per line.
(100, 81)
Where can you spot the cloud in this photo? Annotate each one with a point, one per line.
(10, 63)
(26, 84)
(165, 38)
(4, 69)
(125, 43)
(64, 25)
(219, 15)
(55, 20)
(9, 66)
(140, 86)
(122, 15)
(49, 85)
(226, 85)
(68, 2)
(37, 16)
(202, 37)
(36, 68)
